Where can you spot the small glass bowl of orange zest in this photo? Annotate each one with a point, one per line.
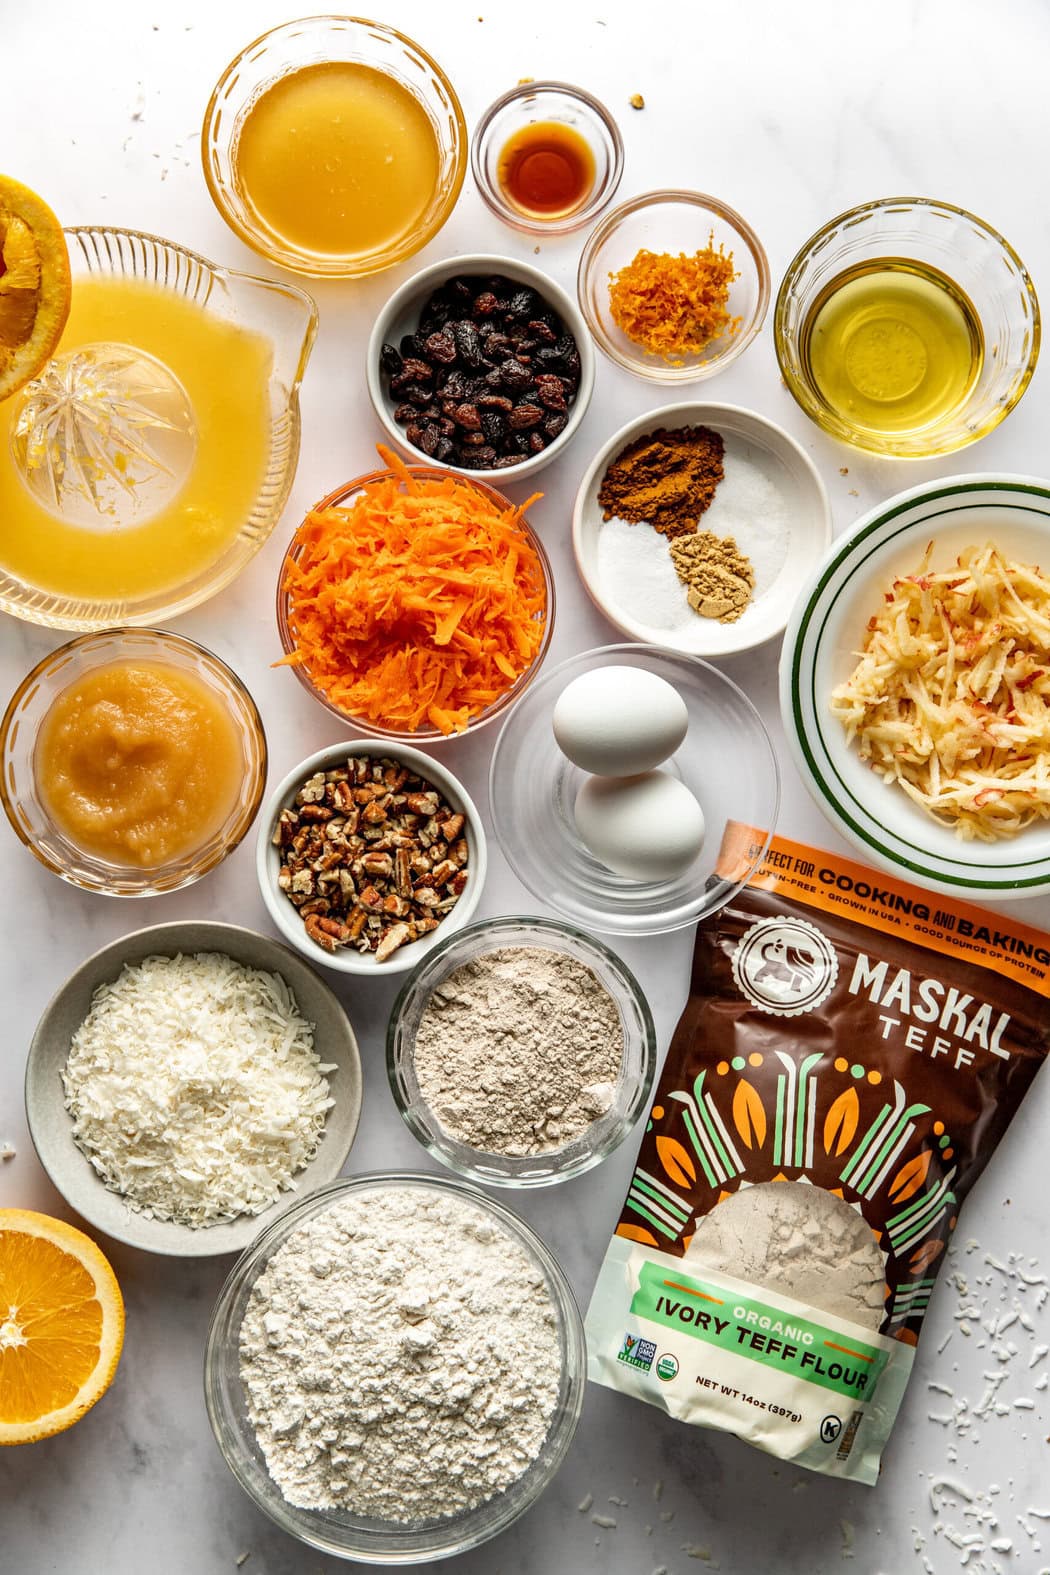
(673, 225)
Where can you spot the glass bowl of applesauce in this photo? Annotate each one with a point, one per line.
(132, 762)
(334, 146)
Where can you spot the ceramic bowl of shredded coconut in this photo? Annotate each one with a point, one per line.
(394, 1370)
(521, 1052)
(698, 526)
(186, 1081)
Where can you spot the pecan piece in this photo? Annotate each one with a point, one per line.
(395, 937)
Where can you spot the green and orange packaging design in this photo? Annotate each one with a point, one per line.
(853, 1034)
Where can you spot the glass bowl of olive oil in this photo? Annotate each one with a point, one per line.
(907, 327)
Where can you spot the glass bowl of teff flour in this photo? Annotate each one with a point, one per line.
(521, 1051)
(395, 1368)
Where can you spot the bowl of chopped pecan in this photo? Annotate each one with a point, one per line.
(481, 364)
(368, 855)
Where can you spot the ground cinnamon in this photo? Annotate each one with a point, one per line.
(666, 478)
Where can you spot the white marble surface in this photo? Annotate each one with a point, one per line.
(791, 113)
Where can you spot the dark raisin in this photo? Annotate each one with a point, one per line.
(455, 385)
(537, 442)
(485, 304)
(467, 343)
(472, 439)
(495, 402)
(542, 331)
(513, 375)
(523, 416)
(573, 367)
(414, 433)
(497, 345)
(486, 456)
(405, 413)
(430, 439)
(417, 394)
(459, 291)
(421, 371)
(505, 461)
(390, 360)
(548, 359)
(435, 314)
(523, 303)
(554, 425)
(519, 441)
(494, 378)
(407, 344)
(550, 391)
(467, 416)
(446, 426)
(494, 425)
(444, 449)
(441, 347)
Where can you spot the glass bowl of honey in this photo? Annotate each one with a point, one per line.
(153, 455)
(334, 146)
(907, 327)
(547, 157)
(132, 761)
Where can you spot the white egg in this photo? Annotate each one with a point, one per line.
(648, 827)
(617, 721)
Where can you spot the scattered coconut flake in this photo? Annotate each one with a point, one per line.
(585, 1503)
(7, 1151)
(606, 1522)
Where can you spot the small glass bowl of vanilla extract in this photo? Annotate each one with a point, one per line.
(547, 157)
(907, 327)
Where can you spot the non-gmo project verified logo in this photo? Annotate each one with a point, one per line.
(637, 1353)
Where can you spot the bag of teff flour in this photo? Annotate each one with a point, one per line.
(852, 1051)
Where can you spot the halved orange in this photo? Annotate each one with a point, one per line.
(61, 1325)
(35, 284)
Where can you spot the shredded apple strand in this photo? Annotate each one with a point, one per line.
(951, 696)
(422, 602)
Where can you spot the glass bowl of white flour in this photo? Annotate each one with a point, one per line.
(521, 1051)
(395, 1368)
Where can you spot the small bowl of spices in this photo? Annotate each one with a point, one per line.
(697, 527)
(367, 856)
(482, 364)
(547, 157)
(521, 1052)
(674, 285)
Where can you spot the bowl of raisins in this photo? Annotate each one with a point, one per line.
(482, 365)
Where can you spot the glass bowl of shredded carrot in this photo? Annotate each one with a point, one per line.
(415, 602)
(674, 285)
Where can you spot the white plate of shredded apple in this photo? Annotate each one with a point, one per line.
(915, 685)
